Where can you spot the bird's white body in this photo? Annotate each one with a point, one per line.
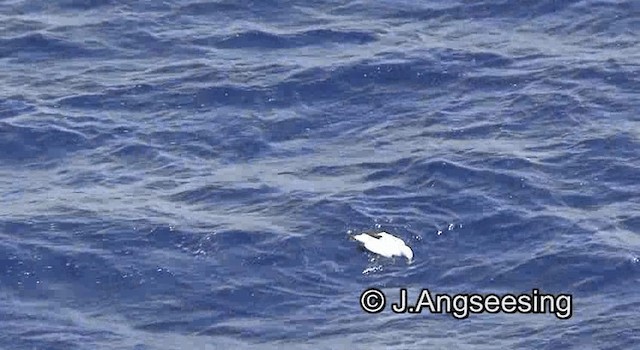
(384, 244)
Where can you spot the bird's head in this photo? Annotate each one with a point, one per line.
(407, 253)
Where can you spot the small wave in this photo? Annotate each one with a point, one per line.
(264, 40)
(39, 46)
(19, 143)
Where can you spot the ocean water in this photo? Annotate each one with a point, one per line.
(185, 174)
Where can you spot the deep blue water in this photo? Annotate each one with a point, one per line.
(184, 174)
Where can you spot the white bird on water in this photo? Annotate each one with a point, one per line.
(385, 244)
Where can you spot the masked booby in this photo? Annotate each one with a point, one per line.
(384, 244)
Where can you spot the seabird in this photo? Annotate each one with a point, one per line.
(385, 244)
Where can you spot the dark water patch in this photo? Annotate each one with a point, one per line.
(15, 106)
(497, 82)
(621, 176)
(422, 174)
(632, 224)
(223, 11)
(12, 26)
(63, 336)
(240, 332)
(22, 143)
(613, 19)
(88, 101)
(484, 9)
(509, 163)
(525, 9)
(583, 199)
(172, 325)
(177, 67)
(84, 178)
(425, 14)
(556, 111)
(554, 272)
(209, 7)
(183, 143)
(229, 248)
(219, 195)
(31, 7)
(263, 40)
(352, 214)
(344, 81)
(162, 185)
(486, 59)
(66, 261)
(512, 235)
(141, 42)
(133, 38)
(619, 145)
(41, 46)
(389, 173)
(230, 95)
(161, 237)
(611, 75)
(37, 270)
(138, 154)
(480, 130)
(289, 129)
(248, 141)
(134, 97)
(316, 85)
(230, 238)
(85, 4)
(331, 170)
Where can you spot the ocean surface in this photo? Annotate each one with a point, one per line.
(185, 174)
